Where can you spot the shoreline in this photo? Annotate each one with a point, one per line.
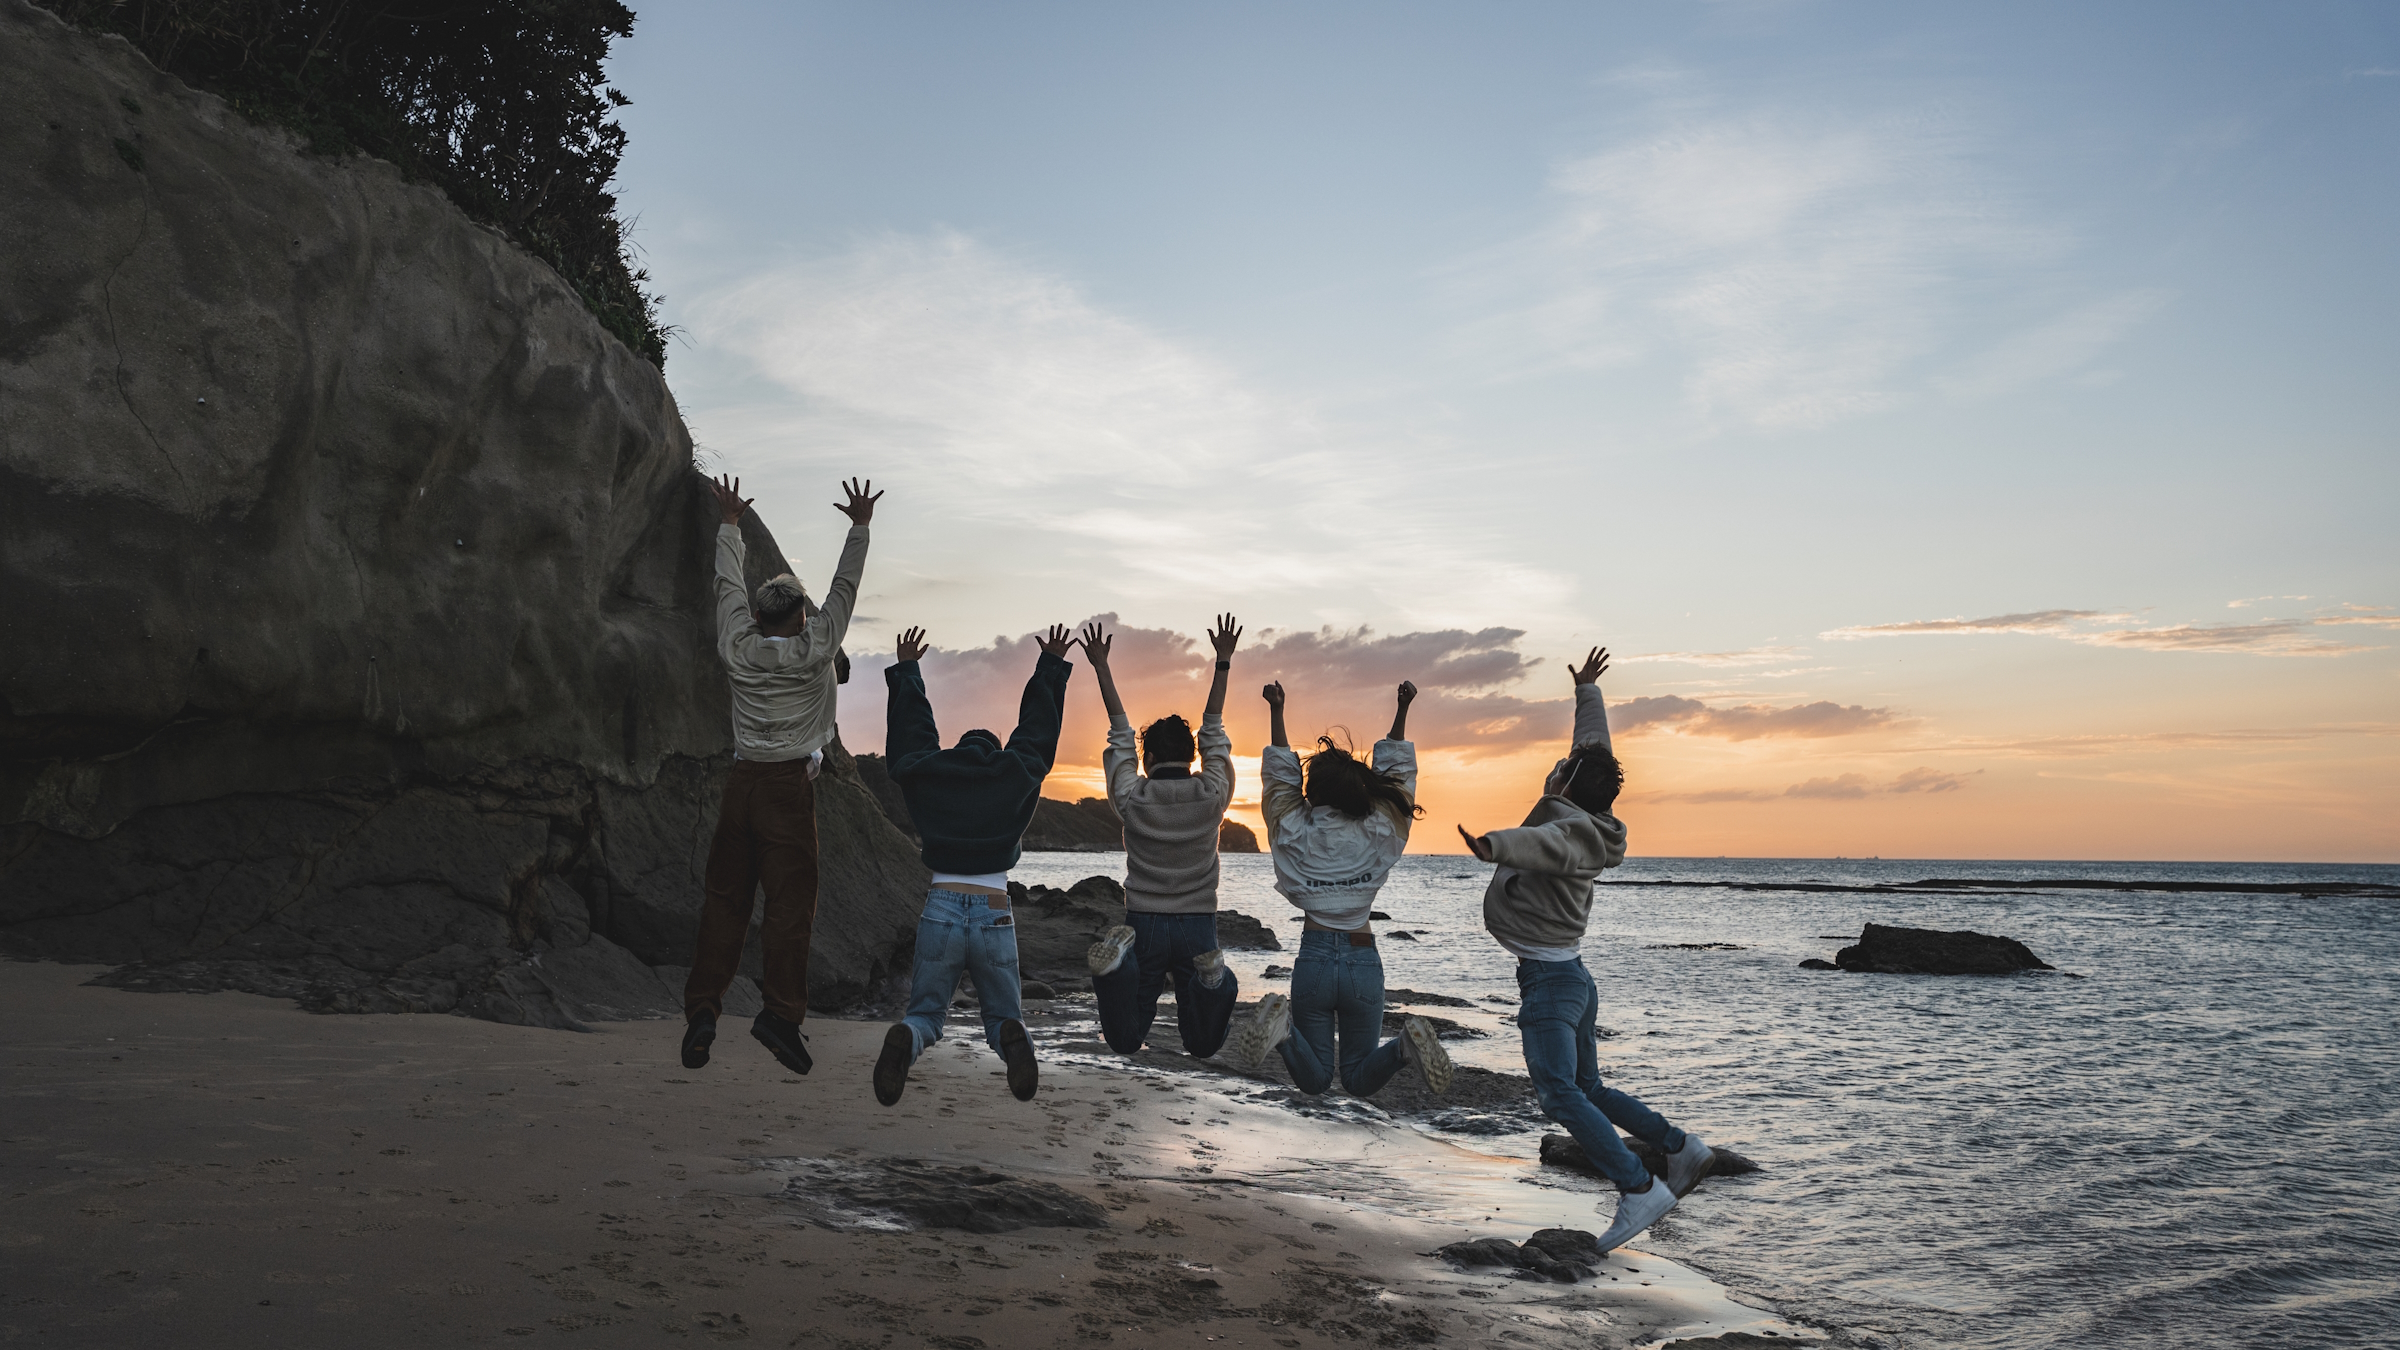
(237, 1171)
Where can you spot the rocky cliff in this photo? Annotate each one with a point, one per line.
(354, 629)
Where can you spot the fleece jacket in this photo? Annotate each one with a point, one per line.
(783, 688)
(1540, 895)
(1170, 822)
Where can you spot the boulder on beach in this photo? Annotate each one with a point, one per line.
(356, 642)
(1561, 1255)
(1886, 950)
(1562, 1151)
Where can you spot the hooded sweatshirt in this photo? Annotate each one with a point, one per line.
(783, 688)
(1327, 862)
(972, 802)
(1540, 897)
(1171, 819)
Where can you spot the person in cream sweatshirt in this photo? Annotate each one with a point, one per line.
(782, 658)
(1336, 831)
(1171, 817)
(1537, 906)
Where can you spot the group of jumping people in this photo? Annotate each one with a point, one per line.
(1336, 825)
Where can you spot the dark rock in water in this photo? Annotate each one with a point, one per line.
(1886, 950)
(1559, 1150)
(1563, 1255)
(1818, 963)
(1443, 1027)
(1088, 825)
(1056, 928)
(1235, 837)
(1238, 932)
(1036, 989)
(1402, 934)
(843, 1194)
(1420, 999)
(1378, 915)
(1276, 973)
(356, 630)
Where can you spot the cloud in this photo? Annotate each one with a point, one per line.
(1748, 656)
(1336, 681)
(2264, 637)
(2036, 621)
(1844, 788)
(1745, 721)
(1799, 267)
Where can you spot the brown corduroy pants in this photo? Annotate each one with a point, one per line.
(766, 836)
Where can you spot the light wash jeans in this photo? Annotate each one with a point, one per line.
(962, 932)
(1559, 1020)
(1337, 989)
(1163, 948)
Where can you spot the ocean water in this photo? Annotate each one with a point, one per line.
(2190, 1137)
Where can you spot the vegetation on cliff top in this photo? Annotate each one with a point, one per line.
(503, 104)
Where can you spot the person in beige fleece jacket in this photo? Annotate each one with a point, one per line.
(1537, 906)
(782, 659)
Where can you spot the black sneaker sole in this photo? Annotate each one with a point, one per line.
(891, 1068)
(1024, 1074)
(794, 1056)
(697, 1037)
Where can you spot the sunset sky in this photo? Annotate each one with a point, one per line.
(1973, 428)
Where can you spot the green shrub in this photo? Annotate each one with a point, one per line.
(503, 105)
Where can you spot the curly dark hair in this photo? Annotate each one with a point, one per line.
(1341, 780)
(1168, 741)
(1596, 779)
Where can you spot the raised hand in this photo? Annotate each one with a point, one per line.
(912, 645)
(1592, 668)
(1408, 692)
(861, 507)
(1408, 695)
(1479, 845)
(1057, 643)
(1096, 644)
(1224, 635)
(730, 501)
(1273, 694)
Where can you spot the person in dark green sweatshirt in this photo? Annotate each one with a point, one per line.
(971, 804)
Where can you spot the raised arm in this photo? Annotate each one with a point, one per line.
(736, 630)
(1223, 637)
(1591, 710)
(908, 730)
(1095, 650)
(821, 637)
(1044, 704)
(1408, 695)
(1273, 694)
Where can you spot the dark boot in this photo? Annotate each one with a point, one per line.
(698, 1035)
(784, 1040)
(1017, 1049)
(891, 1068)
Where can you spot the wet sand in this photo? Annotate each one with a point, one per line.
(223, 1169)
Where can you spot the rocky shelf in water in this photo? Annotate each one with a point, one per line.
(1887, 950)
(1968, 885)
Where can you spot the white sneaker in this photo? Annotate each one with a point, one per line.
(1109, 952)
(1636, 1211)
(1686, 1165)
(1423, 1047)
(1210, 967)
(1269, 1024)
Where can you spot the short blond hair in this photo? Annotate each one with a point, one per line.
(779, 598)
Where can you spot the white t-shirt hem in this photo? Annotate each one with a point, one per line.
(1574, 953)
(998, 881)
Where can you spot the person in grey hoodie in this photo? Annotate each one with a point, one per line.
(1171, 817)
(1537, 906)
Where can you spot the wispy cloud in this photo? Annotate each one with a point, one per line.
(1843, 788)
(1748, 656)
(1744, 721)
(2263, 637)
(1799, 267)
(2136, 742)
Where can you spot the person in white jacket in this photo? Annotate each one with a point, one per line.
(1537, 906)
(1335, 833)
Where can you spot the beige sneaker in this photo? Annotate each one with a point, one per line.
(1423, 1047)
(1110, 951)
(1266, 1029)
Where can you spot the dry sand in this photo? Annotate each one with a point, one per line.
(223, 1169)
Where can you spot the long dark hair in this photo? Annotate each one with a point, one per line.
(1339, 779)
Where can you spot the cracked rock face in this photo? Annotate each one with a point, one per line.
(354, 629)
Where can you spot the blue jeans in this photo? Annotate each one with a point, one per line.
(1337, 989)
(962, 932)
(1163, 948)
(1559, 1020)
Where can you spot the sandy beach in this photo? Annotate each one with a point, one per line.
(223, 1169)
